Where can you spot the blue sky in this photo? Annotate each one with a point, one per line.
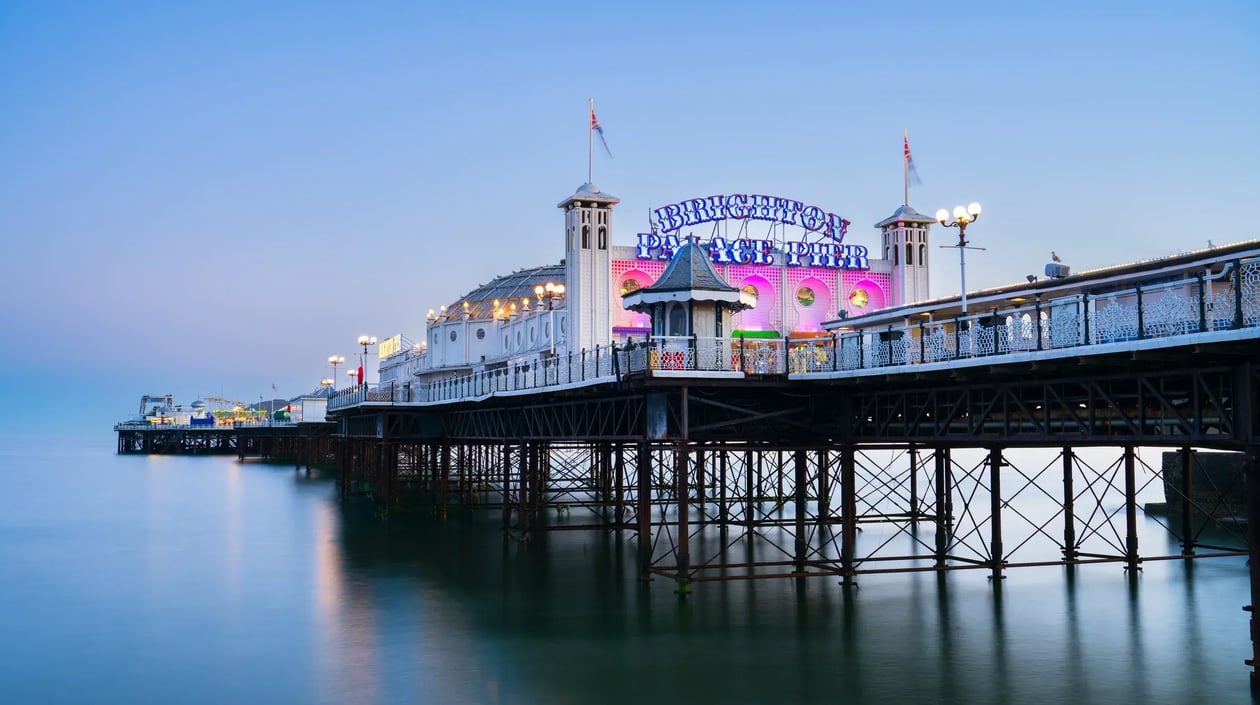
(212, 198)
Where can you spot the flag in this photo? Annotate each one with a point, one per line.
(595, 126)
(360, 374)
(911, 173)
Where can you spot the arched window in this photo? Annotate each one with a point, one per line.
(909, 253)
(603, 238)
(922, 255)
(677, 320)
(895, 250)
(586, 237)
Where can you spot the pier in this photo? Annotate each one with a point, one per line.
(889, 445)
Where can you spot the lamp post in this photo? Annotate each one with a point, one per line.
(551, 293)
(335, 360)
(365, 341)
(962, 218)
(326, 382)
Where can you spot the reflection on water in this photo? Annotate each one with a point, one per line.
(204, 580)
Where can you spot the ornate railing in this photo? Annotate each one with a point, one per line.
(1199, 304)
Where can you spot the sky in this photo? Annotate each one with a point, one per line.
(212, 198)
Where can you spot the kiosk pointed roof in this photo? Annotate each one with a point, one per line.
(690, 276)
(691, 269)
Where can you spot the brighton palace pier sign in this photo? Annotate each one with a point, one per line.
(827, 252)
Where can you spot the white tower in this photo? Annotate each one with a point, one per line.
(904, 238)
(587, 267)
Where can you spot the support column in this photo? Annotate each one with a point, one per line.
(723, 515)
(824, 487)
(941, 458)
(1251, 475)
(506, 488)
(995, 512)
(619, 488)
(914, 485)
(683, 553)
(525, 478)
(444, 479)
(1131, 559)
(848, 510)
(1069, 506)
(750, 510)
(1187, 505)
(801, 466)
(643, 468)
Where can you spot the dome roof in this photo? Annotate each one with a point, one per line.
(905, 214)
(507, 289)
(199, 404)
(590, 192)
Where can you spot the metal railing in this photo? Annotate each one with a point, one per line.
(1229, 300)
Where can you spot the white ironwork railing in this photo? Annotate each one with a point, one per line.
(1230, 300)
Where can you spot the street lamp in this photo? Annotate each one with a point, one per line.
(551, 293)
(962, 218)
(326, 382)
(335, 360)
(365, 341)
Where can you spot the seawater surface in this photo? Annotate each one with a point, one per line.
(133, 579)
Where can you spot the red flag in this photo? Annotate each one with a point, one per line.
(360, 374)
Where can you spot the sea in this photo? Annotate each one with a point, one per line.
(176, 579)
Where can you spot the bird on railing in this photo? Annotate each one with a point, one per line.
(1054, 257)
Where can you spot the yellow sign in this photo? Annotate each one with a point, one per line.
(391, 346)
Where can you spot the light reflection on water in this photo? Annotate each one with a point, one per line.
(202, 580)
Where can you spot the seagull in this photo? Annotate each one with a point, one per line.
(1054, 257)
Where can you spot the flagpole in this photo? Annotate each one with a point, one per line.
(590, 145)
(905, 167)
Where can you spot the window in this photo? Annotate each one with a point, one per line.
(922, 255)
(677, 320)
(586, 237)
(453, 336)
(603, 238)
(481, 334)
(909, 253)
(805, 296)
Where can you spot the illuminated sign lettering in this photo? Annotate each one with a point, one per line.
(739, 206)
(391, 346)
(760, 252)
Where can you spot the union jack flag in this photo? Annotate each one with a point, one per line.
(596, 127)
(914, 174)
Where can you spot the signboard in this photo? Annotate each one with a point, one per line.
(739, 206)
(391, 346)
(760, 252)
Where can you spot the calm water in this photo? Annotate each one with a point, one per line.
(205, 580)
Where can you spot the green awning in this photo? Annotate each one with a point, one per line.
(756, 334)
